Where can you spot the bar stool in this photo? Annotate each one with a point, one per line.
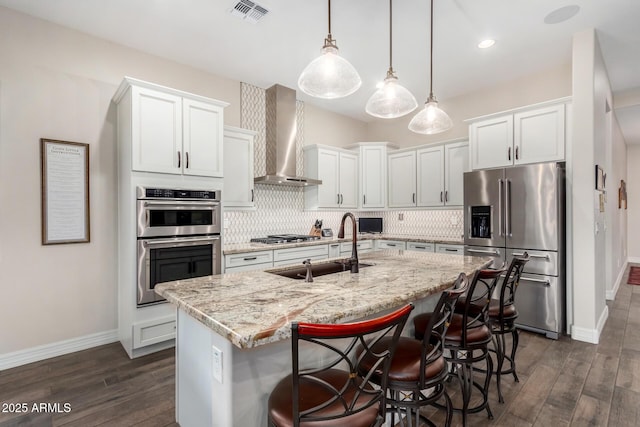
(418, 366)
(334, 390)
(502, 316)
(467, 339)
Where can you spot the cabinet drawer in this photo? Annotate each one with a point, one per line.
(295, 261)
(154, 331)
(419, 246)
(391, 244)
(363, 247)
(249, 267)
(300, 253)
(540, 262)
(450, 249)
(248, 258)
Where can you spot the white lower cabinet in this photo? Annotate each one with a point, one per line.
(248, 261)
(154, 331)
(291, 256)
(334, 250)
(420, 246)
(390, 244)
(363, 246)
(450, 249)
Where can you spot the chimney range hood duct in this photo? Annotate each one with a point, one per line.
(281, 139)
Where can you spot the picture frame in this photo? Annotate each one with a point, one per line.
(600, 179)
(64, 168)
(622, 195)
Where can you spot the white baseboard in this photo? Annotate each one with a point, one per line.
(611, 293)
(591, 335)
(41, 352)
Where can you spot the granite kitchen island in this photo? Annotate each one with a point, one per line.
(233, 330)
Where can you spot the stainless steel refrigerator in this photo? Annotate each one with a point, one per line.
(512, 210)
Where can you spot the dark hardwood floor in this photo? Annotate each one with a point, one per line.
(562, 383)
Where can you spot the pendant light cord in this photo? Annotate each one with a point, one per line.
(390, 37)
(431, 57)
(329, 1)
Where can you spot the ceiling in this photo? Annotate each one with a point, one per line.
(203, 34)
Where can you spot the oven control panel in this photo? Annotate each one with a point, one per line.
(166, 193)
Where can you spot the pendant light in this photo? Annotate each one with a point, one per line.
(431, 119)
(329, 76)
(392, 99)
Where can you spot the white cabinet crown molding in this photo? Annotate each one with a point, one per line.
(564, 100)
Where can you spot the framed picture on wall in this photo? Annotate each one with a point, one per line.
(599, 178)
(65, 191)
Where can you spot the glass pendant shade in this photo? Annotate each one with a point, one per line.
(430, 120)
(329, 76)
(391, 100)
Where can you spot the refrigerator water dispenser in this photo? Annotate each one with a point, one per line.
(481, 222)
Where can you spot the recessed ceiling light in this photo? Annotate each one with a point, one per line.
(562, 14)
(486, 43)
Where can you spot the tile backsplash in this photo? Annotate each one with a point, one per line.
(280, 209)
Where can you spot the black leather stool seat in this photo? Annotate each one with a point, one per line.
(509, 311)
(313, 393)
(405, 365)
(480, 334)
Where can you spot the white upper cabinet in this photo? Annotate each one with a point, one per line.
(238, 168)
(338, 170)
(428, 177)
(527, 135)
(373, 175)
(456, 163)
(402, 179)
(171, 131)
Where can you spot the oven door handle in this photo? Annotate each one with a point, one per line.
(182, 203)
(182, 241)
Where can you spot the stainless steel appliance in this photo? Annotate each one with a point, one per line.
(284, 238)
(178, 235)
(369, 225)
(513, 210)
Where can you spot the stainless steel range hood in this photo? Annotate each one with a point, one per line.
(281, 135)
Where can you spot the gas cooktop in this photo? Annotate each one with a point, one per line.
(284, 238)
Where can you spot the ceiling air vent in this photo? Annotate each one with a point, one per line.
(249, 11)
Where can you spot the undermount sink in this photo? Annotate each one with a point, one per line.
(299, 273)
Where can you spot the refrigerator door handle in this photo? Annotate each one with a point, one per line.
(500, 229)
(530, 279)
(507, 210)
(479, 251)
(532, 255)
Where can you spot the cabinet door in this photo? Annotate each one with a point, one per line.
(539, 135)
(456, 163)
(202, 141)
(238, 169)
(402, 179)
(373, 177)
(492, 143)
(348, 187)
(156, 131)
(430, 176)
(328, 172)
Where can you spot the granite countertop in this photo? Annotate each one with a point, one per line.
(256, 308)
(236, 248)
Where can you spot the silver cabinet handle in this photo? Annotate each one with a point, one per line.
(529, 279)
(479, 251)
(500, 207)
(507, 215)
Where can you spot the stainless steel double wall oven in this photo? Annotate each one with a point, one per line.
(178, 233)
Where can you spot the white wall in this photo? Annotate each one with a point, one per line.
(633, 201)
(57, 83)
(328, 128)
(539, 87)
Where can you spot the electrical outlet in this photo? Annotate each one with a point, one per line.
(401, 216)
(454, 220)
(216, 359)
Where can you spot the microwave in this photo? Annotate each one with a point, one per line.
(370, 225)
